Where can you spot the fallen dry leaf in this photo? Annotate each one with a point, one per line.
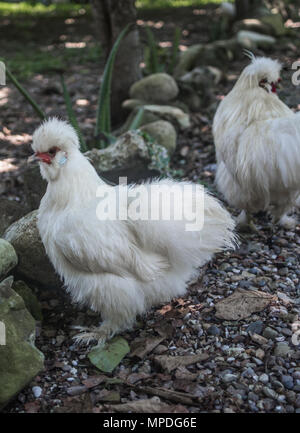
(151, 405)
(169, 394)
(94, 381)
(242, 303)
(136, 377)
(141, 346)
(32, 406)
(183, 374)
(170, 363)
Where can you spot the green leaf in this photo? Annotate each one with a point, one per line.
(103, 117)
(153, 66)
(174, 53)
(109, 357)
(26, 95)
(135, 124)
(71, 115)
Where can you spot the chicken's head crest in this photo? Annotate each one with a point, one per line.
(53, 143)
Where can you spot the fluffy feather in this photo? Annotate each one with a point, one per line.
(119, 268)
(257, 139)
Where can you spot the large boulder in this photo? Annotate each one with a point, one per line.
(153, 113)
(31, 302)
(33, 261)
(253, 25)
(8, 258)
(10, 212)
(130, 149)
(35, 186)
(163, 133)
(275, 23)
(252, 40)
(20, 360)
(158, 88)
(217, 54)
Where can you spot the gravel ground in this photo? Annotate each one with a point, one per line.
(249, 365)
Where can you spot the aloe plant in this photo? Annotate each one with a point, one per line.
(153, 62)
(137, 120)
(153, 66)
(103, 135)
(174, 53)
(26, 95)
(71, 115)
(103, 116)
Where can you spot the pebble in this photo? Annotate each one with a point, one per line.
(264, 378)
(287, 381)
(259, 339)
(229, 377)
(282, 349)
(270, 333)
(213, 330)
(255, 327)
(37, 391)
(269, 392)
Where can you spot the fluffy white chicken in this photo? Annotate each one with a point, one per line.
(119, 268)
(257, 139)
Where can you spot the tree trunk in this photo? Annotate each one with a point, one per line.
(111, 16)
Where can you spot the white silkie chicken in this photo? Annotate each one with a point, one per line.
(257, 139)
(119, 268)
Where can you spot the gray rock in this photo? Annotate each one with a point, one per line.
(129, 150)
(255, 327)
(37, 391)
(33, 261)
(287, 381)
(11, 211)
(275, 23)
(164, 133)
(270, 333)
(213, 330)
(229, 377)
(251, 40)
(20, 360)
(282, 349)
(157, 88)
(264, 378)
(269, 392)
(8, 258)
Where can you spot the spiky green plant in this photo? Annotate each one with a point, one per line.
(26, 95)
(174, 53)
(103, 116)
(103, 135)
(153, 63)
(158, 60)
(137, 120)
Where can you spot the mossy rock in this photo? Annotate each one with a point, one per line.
(20, 360)
(33, 261)
(31, 302)
(8, 257)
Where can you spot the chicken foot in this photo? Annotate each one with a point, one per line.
(245, 222)
(101, 333)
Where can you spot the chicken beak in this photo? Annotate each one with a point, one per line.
(32, 158)
(40, 157)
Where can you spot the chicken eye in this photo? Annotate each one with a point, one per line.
(52, 151)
